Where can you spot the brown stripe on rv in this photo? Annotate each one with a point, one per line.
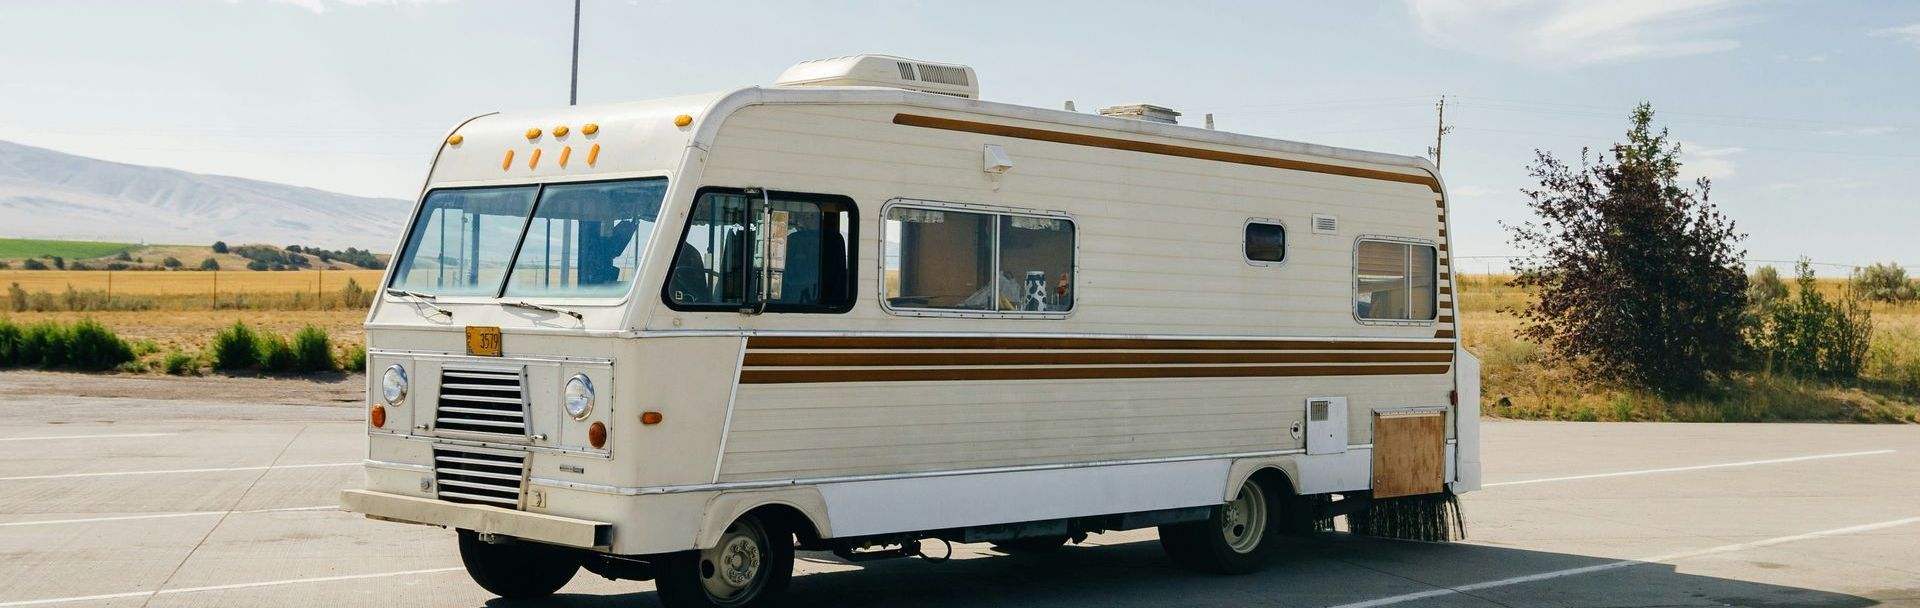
(1006, 343)
(755, 376)
(841, 359)
(1114, 143)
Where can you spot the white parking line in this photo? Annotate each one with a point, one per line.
(294, 581)
(1602, 567)
(1700, 467)
(49, 522)
(53, 437)
(170, 471)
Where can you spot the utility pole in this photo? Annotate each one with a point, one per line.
(573, 88)
(1440, 132)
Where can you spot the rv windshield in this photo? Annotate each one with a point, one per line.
(580, 240)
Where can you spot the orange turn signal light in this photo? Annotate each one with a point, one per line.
(650, 417)
(378, 416)
(597, 435)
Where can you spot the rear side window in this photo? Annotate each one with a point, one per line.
(981, 261)
(1266, 242)
(792, 252)
(1395, 281)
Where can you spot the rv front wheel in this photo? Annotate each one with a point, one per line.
(749, 567)
(517, 570)
(1235, 539)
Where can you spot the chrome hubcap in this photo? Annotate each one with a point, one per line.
(731, 569)
(1243, 521)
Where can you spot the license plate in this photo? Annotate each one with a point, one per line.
(483, 341)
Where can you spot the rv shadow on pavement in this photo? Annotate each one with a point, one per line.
(1332, 570)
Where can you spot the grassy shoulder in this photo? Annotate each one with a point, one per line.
(1517, 382)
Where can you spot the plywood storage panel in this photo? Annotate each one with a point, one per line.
(1409, 453)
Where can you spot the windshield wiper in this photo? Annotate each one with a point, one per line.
(532, 306)
(424, 299)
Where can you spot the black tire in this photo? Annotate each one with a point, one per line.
(695, 579)
(1229, 541)
(1032, 544)
(517, 570)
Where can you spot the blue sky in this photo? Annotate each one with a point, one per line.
(1805, 114)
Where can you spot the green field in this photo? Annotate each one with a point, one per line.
(13, 249)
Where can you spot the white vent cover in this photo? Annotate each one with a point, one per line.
(883, 71)
(1325, 224)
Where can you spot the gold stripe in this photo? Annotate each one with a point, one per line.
(1073, 373)
(883, 359)
(1007, 343)
(1114, 143)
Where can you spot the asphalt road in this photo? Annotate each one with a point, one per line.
(122, 499)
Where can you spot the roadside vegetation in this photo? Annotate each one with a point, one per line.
(1632, 305)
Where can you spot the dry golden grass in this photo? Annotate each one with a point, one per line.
(157, 283)
(1517, 382)
(191, 330)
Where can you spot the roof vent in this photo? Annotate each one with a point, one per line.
(883, 71)
(1143, 111)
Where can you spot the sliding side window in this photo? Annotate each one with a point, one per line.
(1396, 281)
(961, 261)
(780, 252)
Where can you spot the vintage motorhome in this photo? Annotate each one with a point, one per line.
(862, 308)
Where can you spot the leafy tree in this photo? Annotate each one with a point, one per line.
(1638, 277)
(1887, 283)
(124, 256)
(59, 262)
(219, 246)
(209, 264)
(33, 264)
(171, 262)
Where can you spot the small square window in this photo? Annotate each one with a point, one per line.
(1266, 242)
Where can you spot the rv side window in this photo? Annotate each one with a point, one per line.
(951, 260)
(1266, 242)
(1395, 281)
(803, 242)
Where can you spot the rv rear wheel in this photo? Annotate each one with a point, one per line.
(1235, 539)
(749, 567)
(517, 570)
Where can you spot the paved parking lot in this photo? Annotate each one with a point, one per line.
(116, 498)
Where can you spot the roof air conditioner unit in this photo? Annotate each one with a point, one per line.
(883, 71)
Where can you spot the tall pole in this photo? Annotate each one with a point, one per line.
(573, 88)
(1440, 132)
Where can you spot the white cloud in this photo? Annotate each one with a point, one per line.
(320, 7)
(1549, 33)
(1697, 161)
(1908, 34)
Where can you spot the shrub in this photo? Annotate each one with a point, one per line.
(209, 264)
(1886, 283)
(1813, 337)
(124, 256)
(17, 297)
(45, 345)
(59, 262)
(257, 265)
(91, 346)
(236, 347)
(276, 355)
(32, 264)
(352, 295)
(5, 265)
(355, 359)
(179, 363)
(10, 337)
(171, 262)
(312, 351)
(118, 266)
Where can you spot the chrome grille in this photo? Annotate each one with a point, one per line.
(483, 477)
(486, 401)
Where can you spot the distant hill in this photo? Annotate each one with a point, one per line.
(54, 195)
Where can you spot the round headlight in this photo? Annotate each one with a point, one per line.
(393, 385)
(579, 396)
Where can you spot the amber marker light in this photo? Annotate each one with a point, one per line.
(650, 418)
(597, 435)
(565, 152)
(533, 160)
(593, 154)
(560, 131)
(506, 163)
(533, 134)
(378, 416)
(682, 120)
(589, 129)
(455, 139)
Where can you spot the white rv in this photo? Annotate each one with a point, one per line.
(679, 339)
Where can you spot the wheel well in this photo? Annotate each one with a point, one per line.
(1274, 479)
(788, 518)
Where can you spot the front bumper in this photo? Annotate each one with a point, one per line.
(539, 527)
